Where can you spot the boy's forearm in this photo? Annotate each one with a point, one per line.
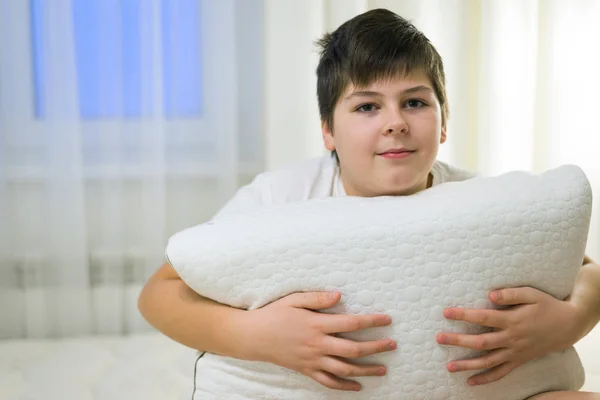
(566, 396)
(586, 294)
(197, 322)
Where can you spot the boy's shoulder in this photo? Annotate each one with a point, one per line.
(443, 173)
(305, 168)
(303, 180)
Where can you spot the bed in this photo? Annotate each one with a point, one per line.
(144, 366)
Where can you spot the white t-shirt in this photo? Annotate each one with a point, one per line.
(314, 178)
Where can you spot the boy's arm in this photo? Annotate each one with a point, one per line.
(287, 332)
(174, 309)
(586, 296)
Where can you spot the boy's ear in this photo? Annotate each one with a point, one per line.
(327, 134)
(443, 136)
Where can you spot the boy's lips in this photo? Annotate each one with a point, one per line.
(396, 153)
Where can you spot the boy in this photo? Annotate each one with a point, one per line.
(382, 100)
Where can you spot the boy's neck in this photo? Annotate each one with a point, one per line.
(351, 192)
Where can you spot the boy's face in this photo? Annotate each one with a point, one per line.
(386, 136)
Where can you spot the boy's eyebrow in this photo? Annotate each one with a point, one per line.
(420, 88)
(364, 93)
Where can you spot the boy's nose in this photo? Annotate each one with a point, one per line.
(396, 125)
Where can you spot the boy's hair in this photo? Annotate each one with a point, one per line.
(377, 44)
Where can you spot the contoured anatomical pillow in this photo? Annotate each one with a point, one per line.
(409, 257)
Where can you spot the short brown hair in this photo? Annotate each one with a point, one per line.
(377, 44)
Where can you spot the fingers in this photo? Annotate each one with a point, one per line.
(488, 361)
(350, 349)
(332, 323)
(515, 296)
(484, 341)
(344, 369)
(351, 323)
(493, 375)
(312, 300)
(484, 317)
(333, 382)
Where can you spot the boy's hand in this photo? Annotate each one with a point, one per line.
(535, 325)
(288, 333)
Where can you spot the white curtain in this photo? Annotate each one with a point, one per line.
(88, 201)
(86, 205)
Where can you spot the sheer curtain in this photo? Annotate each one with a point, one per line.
(120, 123)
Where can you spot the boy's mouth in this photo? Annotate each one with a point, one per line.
(396, 153)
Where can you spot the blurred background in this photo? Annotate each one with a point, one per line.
(124, 121)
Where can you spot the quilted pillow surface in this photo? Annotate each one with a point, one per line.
(409, 257)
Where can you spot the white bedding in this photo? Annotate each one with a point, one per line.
(405, 256)
(140, 367)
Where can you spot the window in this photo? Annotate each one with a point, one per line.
(113, 64)
(134, 84)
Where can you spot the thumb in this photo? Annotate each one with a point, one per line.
(313, 300)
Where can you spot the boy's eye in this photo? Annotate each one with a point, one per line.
(366, 107)
(414, 103)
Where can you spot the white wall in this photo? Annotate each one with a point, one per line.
(291, 114)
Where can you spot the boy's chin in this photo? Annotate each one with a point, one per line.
(404, 188)
(399, 191)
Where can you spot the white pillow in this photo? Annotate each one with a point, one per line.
(409, 257)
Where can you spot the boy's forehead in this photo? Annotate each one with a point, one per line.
(397, 82)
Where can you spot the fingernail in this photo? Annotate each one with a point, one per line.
(472, 382)
(496, 296)
(333, 295)
(452, 368)
(356, 388)
(381, 371)
(392, 345)
(441, 339)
